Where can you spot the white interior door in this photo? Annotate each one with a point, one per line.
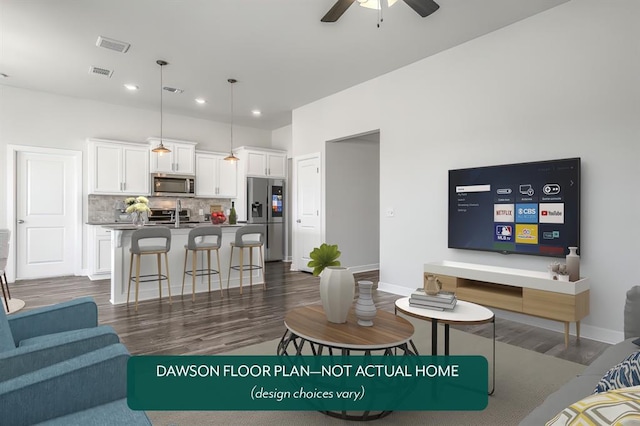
(307, 207)
(47, 198)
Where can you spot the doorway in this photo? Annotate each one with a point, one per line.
(44, 212)
(352, 199)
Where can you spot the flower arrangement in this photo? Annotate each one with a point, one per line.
(137, 205)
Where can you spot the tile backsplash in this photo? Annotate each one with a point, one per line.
(102, 208)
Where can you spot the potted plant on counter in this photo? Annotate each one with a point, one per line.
(337, 285)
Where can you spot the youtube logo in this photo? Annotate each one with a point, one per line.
(551, 213)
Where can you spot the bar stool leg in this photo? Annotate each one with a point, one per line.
(230, 263)
(166, 266)
(264, 280)
(209, 268)
(130, 271)
(250, 268)
(159, 275)
(137, 278)
(241, 266)
(219, 273)
(194, 265)
(184, 269)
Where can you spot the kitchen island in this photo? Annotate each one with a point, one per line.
(120, 260)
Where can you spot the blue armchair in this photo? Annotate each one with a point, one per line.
(89, 389)
(41, 337)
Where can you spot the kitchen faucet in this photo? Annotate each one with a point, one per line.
(177, 213)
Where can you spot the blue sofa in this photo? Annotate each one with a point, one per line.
(90, 389)
(58, 366)
(41, 337)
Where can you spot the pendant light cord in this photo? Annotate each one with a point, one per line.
(161, 66)
(231, 150)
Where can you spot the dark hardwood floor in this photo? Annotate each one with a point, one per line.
(213, 325)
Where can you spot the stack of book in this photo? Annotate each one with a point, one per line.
(444, 300)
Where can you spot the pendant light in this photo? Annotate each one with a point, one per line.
(231, 158)
(161, 149)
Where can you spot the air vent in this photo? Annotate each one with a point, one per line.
(100, 71)
(109, 43)
(173, 90)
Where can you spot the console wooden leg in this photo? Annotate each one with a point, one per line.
(577, 330)
(566, 334)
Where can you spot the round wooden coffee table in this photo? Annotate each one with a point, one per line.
(308, 325)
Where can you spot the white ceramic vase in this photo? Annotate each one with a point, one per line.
(337, 288)
(573, 264)
(365, 308)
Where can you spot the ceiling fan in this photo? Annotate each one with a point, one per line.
(423, 8)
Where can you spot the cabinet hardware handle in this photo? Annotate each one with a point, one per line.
(20, 221)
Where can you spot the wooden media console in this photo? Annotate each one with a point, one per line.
(516, 290)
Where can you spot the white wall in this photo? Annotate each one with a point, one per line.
(47, 120)
(353, 201)
(282, 138)
(560, 84)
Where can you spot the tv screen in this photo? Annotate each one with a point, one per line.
(527, 208)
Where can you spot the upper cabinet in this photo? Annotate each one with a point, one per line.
(118, 167)
(263, 163)
(180, 161)
(215, 178)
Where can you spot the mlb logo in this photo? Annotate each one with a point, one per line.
(504, 233)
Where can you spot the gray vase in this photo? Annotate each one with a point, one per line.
(365, 308)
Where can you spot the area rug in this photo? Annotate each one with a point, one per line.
(523, 380)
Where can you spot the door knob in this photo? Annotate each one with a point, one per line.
(20, 221)
(298, 221)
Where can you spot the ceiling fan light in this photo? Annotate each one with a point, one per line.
(375, 4)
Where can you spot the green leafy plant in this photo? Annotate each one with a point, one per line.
(323, 256)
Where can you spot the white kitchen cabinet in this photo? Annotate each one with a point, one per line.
(118, 168)
(215, 177)
(181, 159)
(99, 260)
(263, 163)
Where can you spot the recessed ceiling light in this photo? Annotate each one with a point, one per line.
(201, 101)
(256, 112)
(3, 75)
(131, 87)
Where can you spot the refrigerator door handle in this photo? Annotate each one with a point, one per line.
(267, 237)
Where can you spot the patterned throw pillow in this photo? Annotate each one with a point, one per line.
(623, 375)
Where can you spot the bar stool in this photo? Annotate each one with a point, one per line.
(201, 233)
(5, 236)
(137, 250)
(251, 242)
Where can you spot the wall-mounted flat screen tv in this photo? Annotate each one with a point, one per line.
(526, 208)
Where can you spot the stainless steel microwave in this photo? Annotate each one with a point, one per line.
(164, 185)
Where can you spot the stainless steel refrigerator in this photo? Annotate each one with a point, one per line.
(265, 205)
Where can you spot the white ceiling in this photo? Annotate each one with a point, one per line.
(280, 52)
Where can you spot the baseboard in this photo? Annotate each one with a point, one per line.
(364, 268)
(587, 331)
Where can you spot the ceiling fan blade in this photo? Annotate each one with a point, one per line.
(337, 10)
(424, 8)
